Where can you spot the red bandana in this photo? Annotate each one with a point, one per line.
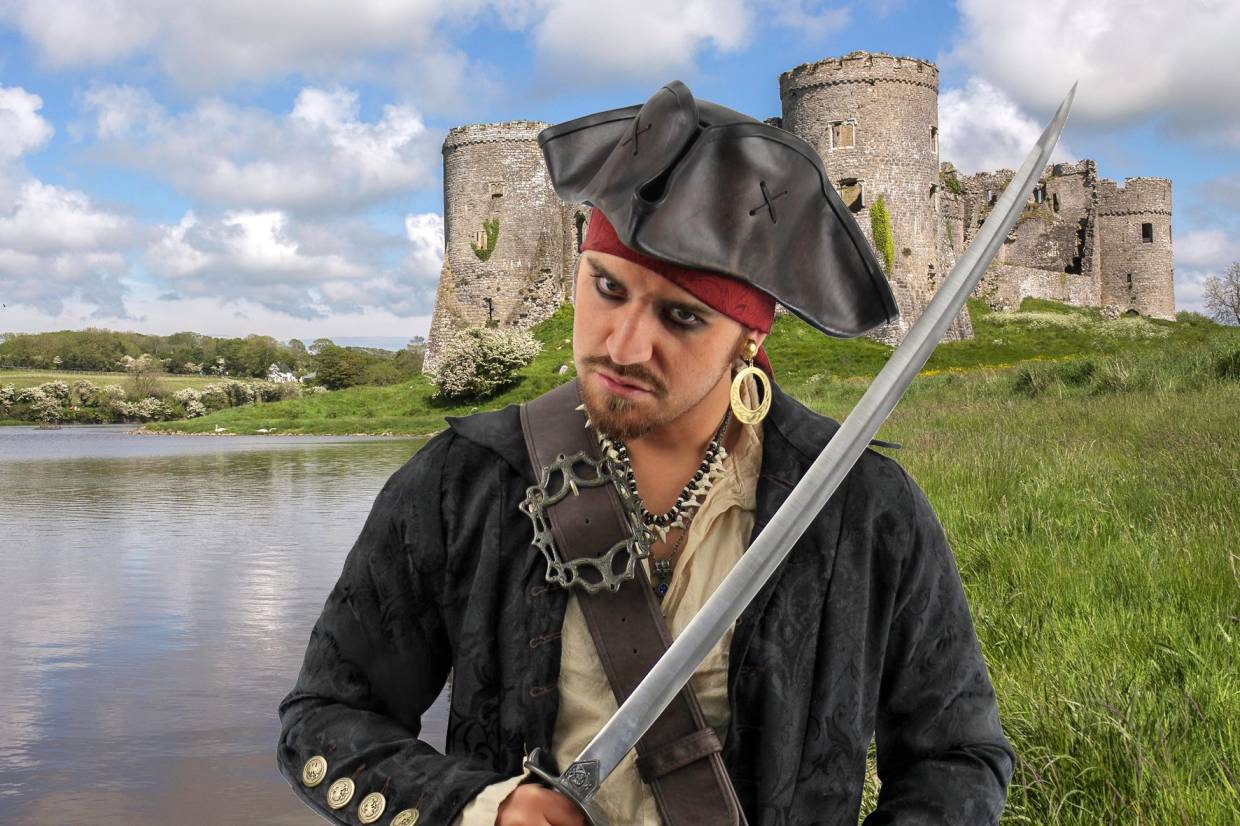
(744, 304)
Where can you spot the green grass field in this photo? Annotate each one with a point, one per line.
(1088, 476)
(1097, 540)
(28, 378)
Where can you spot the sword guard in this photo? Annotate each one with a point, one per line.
(578, 784)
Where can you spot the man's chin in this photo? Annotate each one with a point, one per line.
(616, 417)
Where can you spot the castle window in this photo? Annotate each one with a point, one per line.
(1130, 281)
(990, 196)
(497, 190)
(1055, 201)
(581, 222)
(843, 134)
(1075, 267)
(1147, 234)
(1039, 194)
(934, 138)
(852, 193)
(480, 238)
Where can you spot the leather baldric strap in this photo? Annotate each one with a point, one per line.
(680, 756)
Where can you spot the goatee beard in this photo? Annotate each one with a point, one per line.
(615, 418)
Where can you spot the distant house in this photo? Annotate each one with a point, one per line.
(274, 373)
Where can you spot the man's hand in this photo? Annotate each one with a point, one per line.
(534, 805)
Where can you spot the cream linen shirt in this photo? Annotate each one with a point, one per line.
(717, 537)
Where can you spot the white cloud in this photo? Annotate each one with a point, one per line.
(55, 244)
(212, 316)
(981, 129)
(301, 269)
(1208, 249)
(639, 39)
(22, 129)
(813, 24)
(214, 44)
(1135, 59)
(321, 157)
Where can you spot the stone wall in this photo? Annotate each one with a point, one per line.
(873, 118)
(496, 172)
(1134, 225)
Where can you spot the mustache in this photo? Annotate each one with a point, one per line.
(627, 371)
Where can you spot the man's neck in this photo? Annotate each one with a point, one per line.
(666, 458)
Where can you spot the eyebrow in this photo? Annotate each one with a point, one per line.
(700, 310)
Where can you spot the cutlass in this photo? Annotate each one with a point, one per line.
(665, 680)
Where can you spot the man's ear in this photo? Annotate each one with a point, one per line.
(756, 336)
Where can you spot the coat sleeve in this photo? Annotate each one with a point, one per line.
(378, 656)
(942, 756)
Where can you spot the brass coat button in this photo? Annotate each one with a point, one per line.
(314, 771)
(340, 793)
(406, 818)
(371, 807)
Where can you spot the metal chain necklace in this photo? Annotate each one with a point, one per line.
(687, 503)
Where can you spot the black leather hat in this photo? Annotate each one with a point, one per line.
(699, 185)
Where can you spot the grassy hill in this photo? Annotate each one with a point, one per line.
(1007, 354)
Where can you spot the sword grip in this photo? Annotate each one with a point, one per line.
(542, 765)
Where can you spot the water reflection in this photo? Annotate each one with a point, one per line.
(156, 596)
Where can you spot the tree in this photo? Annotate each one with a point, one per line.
(1222, 295)
(339, 367)
(144, 374)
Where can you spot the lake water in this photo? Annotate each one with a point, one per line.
(156, 597)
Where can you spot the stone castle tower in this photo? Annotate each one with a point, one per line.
(874, 121)
(510, 245)
(1081, 239)
(1134, 225)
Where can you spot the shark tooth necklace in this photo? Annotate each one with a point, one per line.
(687, 503)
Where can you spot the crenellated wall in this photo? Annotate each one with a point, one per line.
(491, 172)
(873, 118)
(1134, 223)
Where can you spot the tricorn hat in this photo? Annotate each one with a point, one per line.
(699, 185)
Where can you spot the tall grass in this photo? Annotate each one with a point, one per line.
(1097, 539)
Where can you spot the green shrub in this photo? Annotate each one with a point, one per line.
(884, 238)
(478, 361)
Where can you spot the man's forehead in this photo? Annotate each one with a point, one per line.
(636, 277)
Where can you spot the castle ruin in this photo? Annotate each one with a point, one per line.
(510, 250)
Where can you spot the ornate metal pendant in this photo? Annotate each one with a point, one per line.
(564, 477)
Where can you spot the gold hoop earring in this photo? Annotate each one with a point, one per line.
(739, 410)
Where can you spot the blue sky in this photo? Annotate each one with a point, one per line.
(274, 167)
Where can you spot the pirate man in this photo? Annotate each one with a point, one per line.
(546, 554)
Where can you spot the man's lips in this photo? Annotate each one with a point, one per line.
(619, 385)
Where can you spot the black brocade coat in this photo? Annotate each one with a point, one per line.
(863, 629)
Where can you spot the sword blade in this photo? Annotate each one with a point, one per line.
(661, 685)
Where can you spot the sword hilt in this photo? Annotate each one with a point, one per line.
(578, 784)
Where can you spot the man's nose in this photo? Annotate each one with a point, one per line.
(632, 339)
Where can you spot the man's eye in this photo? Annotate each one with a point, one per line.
(607, 287)
(684, 317)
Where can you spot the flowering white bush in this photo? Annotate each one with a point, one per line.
(43, 406)
(8, 397)
(186, 395)
(480, 360)
(57, 390)
(314, 390)
(112, 392)
(194, 408)
(85, 390)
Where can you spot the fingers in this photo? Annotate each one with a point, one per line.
(534, 805)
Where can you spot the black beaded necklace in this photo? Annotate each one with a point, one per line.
(687, 503)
